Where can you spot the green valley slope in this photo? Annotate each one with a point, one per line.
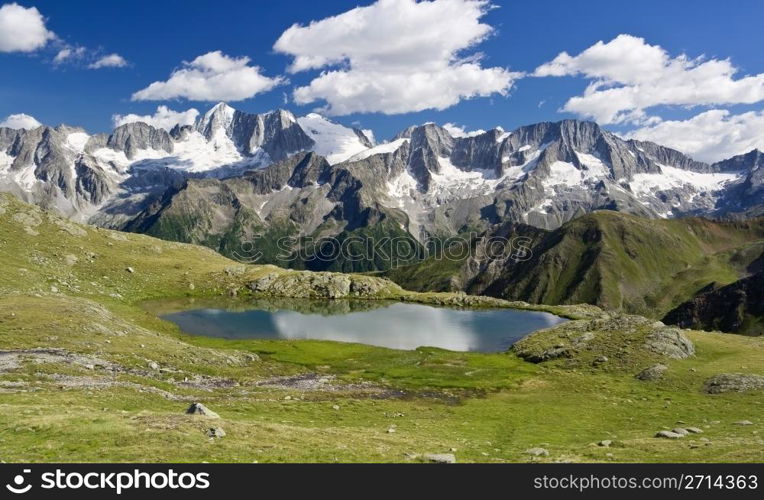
(614, 260)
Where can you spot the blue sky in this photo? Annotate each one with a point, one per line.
(155, 37)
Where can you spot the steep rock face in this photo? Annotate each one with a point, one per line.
(43, 166)
(277, 211)
(738, 307)
(133, 137)
(747, 197)
(277, 133)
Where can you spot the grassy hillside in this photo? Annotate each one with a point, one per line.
(614, 260)
(87, 374)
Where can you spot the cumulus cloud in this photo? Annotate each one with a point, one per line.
(163, 117)
(19, 121)
(710, 136)
(459, 131)
(22, 29)
(395, 56)
(213, 76)
(108, 61)
(68, 54)
(630, 76)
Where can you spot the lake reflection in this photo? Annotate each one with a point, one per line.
(386, 324)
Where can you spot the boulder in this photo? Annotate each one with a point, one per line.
(670, 342)
(200, 409)
(537, 452)
(669, 435)
(440, 458)
(733, 382)
(216, 432)
(654, 372)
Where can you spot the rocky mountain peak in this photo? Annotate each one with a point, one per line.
(135, 136)
(218, 118)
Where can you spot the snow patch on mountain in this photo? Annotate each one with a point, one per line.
(333, 141)
(384, 148)
(672, 177)
(596, 168)
(403, 188)
(5, 161)
(76, 141)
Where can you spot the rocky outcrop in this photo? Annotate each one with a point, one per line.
(609, 342)
(322, 286)
(738, 307)
(670, 343)
(733, 382)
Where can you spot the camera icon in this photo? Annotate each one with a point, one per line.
(17, 485)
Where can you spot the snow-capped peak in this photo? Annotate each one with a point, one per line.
(219, 116)
(334, 141)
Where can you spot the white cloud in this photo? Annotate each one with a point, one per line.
(22, 29)
(69, 53)
(163, 117)
(395, 56)
(630, 76)
(109, 61)
(459, 131)
(710, 136)
(213, 76)
(20, 120)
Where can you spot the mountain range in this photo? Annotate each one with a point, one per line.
(238, 182)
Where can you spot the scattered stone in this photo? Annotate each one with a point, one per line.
(654, 372)
(537, 452)
(191, 286)
(733, 382)
(200, 409)
(153, 365)
(130, 270)
(742, 422)
(670, 342)
(668, 435)
(391, 430)
(600, 360)
(287, 398)
(440, 458)
(680, 430)
(605, 443)
(694, 430)
(335, 407)
(216, 432)
(70, 259)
